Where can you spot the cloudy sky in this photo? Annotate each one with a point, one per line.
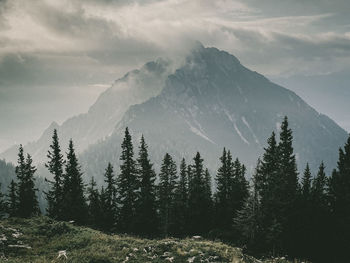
(57, 56)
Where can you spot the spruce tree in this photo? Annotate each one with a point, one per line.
(27, 200)
(94, 205)
(55, 166)
(2, 204)
(110, 202)
(181, 201)
(75, 207)
(166, 195)
(146, 213)
(127, 187)
(197, 208)
(239, 187)
(288, 190)
(319, 187)
(306, 183)
(223, 213)
(339, 196)
(12, 199)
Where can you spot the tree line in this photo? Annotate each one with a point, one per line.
(277, 212)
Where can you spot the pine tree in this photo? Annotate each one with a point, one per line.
(197, 208)
(55, 167)
(127, 187)
(223, 177)
(181, 201)
(12, 199)
(27, 200)
(2, 204)
(146, 212)
(288, 190)
(239, 187)
(75, 207)
(110, 202)
(94, 206)
(339, 196)
(319, 187)
(166, 195)
(306, 184)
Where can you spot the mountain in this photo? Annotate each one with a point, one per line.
(212, 102)
(135, 87)
(40, 240)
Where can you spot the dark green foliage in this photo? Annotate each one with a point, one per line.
(181, 202)
(166, 195)
(198, 196)
(109, 200)
(12, 200)
(27, 204)
(55, 166)
(127, 187)
(2, 204)
(339, 194)
(95, 211)
(306, 184)
(146, 210)
(74, 205)
(232, 192)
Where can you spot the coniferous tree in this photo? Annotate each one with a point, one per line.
(127, 187)
(12, 199)
(181, 201)
(146, 210)
(306, 184)
(94, 205)
(166, 195)
(247, 221)
(197, 208)
(109, 199)
(289, 188)
(339, 195)
(239, 187)
(55, 166)
(222, 196)
(27, 200)
(75, 206)
(2, 204)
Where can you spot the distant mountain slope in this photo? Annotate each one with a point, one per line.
(213, 101)
(135, 87)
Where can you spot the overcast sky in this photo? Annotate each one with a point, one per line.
(57, 56)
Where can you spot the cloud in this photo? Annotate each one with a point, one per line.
(70, 46)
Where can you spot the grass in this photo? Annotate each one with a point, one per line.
(39, 240)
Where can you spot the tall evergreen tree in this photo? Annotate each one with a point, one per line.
(146, 212)
(166, 195)
(94, 205)
(55, 166)
(222, 195)
(2, 204)
(127, 187)
(12, 200)
(339, 194)
(306, 184)
(27, 200)
(181, 201)
(75, 206)
(197, 208)
(319, 187)
(109, 197)
(289, 188)
(239, 187)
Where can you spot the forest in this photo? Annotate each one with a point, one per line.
(279, 211)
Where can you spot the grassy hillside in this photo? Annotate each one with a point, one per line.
(40, 239)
